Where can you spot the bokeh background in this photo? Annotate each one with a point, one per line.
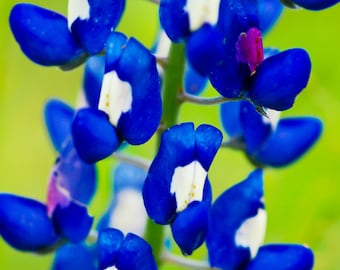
(302, 200)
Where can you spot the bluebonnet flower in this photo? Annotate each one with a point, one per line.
(130, 105)
(48, 38)
(177, 190)
(310, 4)
(238, 222)
(226, 44)
(267, 140)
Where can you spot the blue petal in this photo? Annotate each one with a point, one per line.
(194, 83)
(269, 13)
(176, 149)
(24, 223)
(93, 32)
(190, 226)
(174, 19)
(135, 254)
(256, 131)
(282, 257)
(315, 4)
(93, 135)
(230, 118)
(92, 79)
(138, 67)
(74, 257)
(43, 36)
(72, 221)
(208, 140)
(291, 139)
(280, 78)
(229, 211)
(58, 119)
(113, 50)
(108, 246)
(128, 176)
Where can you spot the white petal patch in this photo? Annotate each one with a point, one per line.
(115, 97)
(111, 268)
(77, 9)
(272, 119)
(202, 11)
(187, 184)
(163, 45)
(129, 215)
(252, 231)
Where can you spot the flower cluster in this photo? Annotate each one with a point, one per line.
(132, 93)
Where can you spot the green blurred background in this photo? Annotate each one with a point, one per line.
(302, 200)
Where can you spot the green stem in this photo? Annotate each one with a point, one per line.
(172, 85)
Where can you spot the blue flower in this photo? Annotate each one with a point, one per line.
(269, 141)
(129, 107)
(126, 211)
(126, 253)
(177, 190)
(238, 222)
(49, 38)
(311, 4)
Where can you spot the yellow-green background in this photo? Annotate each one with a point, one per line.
(302, 200)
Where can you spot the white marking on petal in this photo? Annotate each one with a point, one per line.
(111, 268)
(129, 215)
(163, 45)
(187, 184)
(272, 119)
(77, 9)
(202, 11)
(252, 231)
(115, 97)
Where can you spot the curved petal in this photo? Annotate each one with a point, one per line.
(74, 257)
(230, 118)
(58, 118)
(108, 245)
(282, 257)
(280, 78)
(194, 83)
(93, 78)
(191, 226)
(174, 19)
(91, 22)
(72, 221)
(238, 222)
(24, 223)
(135, 254)
(315, 4)
(93, 135)
(44, 37)
(269, 12)
(291, 139)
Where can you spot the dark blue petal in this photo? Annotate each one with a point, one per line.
(282, 257)
(93, 31)
(74, 257)
(190, 226)
(93, 78)
(93, 135)
(204, 49)
(135, 254)
(174, 19)
(108, 245)
(280, 78)
(208, 140)
(229, 212)
(115, 44)
(315, 4)
(43, 36)
(194, 83)
(230, 118)
(269, 13)
(256, 131)
(291, 139)
(72, 222)
(138, 67)
(24, 223)
(176, 149)
(58, 119)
